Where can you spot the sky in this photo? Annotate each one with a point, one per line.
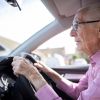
(20, 25)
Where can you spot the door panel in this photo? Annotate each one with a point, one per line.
(73, 73)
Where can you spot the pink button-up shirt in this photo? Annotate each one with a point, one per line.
(88, 87)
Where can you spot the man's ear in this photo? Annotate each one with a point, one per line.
(99, 30)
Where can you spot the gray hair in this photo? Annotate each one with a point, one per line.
(91, 12)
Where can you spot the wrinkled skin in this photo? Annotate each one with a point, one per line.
(21, 66)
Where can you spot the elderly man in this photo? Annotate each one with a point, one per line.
(86, 31)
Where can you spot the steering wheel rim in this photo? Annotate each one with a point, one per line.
(49, 80)
(25, 83)
(21, 87)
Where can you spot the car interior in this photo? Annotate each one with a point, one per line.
(19, 88)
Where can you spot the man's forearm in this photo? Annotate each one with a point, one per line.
(37, 80)
(53, 75)
(38, 83)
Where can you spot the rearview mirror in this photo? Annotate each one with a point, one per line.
(13, 3)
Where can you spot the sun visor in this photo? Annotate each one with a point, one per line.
(67, 7)
(62, 7)
(89, 2)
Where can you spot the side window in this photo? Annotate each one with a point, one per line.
(61, 51)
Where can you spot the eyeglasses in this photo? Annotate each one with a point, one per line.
(76, 23)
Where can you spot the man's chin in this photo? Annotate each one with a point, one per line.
(79, 48)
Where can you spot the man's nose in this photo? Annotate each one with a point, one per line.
(73, 33)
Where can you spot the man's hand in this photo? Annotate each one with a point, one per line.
(48, 71)
(42, 67)
(21, 66)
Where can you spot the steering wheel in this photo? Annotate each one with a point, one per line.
(17, 88)
(31, 58)
(22, 88)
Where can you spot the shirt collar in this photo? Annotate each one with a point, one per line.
(95, 58)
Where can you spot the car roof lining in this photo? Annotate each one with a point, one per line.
(63, 9)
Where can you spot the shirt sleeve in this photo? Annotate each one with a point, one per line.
(47, 93)
(93, 91)
(73, 89)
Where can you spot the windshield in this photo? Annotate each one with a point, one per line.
(17, 26)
